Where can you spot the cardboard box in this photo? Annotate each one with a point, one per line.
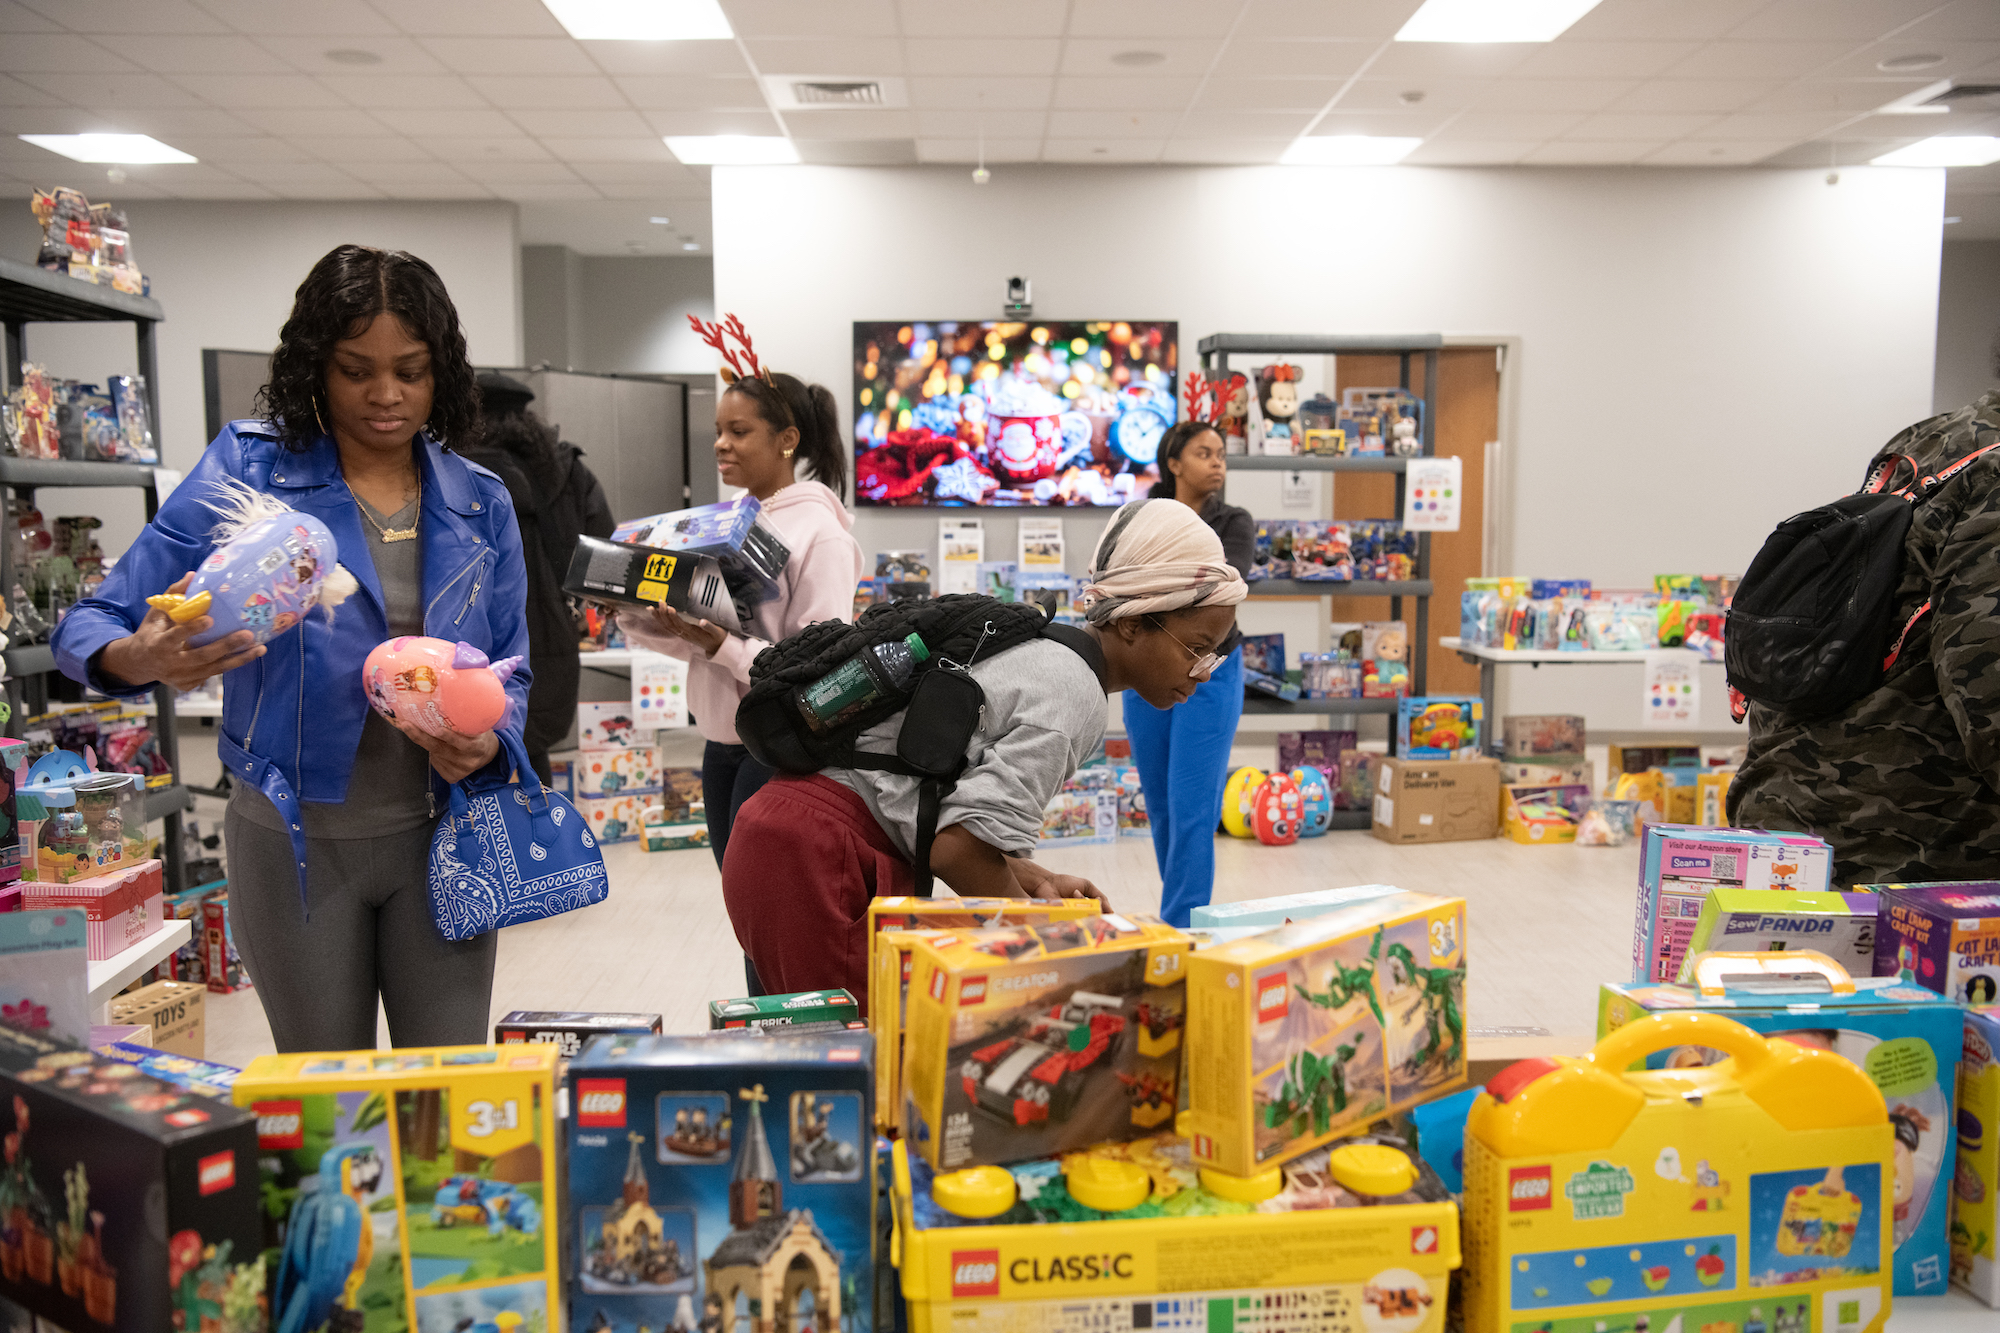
(1439, 726)
(450, 1154)
(121, 1184)
(174, 1011)
(1545, 815)
(1944, 937)
(1029, 1041)
(661, 835)
(1545, 773)
(1310, 1031)
(776, 1011)
(1548, 736)
(1840, 925)
(136, 1034)
(1449, 800)
(1264, 913)
(562, 777)
(1711, 797)
(614, 818)
(706, 1172)
(1976, 1189)
(608, 726)
(1680, 866)
(630, 771)
(567, 1030)
(1639, 758)
(123, 906)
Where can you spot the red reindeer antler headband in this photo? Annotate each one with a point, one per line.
(1214, 393)
(718, 336)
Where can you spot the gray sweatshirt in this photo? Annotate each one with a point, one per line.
(1044, 714)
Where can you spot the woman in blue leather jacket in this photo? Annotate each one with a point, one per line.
(333, 806)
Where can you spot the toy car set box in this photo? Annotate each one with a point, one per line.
(1944, 937)
(1904, 1039)
(1542, 737)
(131, 1202)
(767, 1011)
(1975, 1219)
(1358, 1235)
(1679, 866)
(1267, 912)
(567, 1030)
(1439, 726)
(1306, 1032)
(1755, 1193)
(412, 1188)
(1839, 925)
(1028, 1041)
(722, 1176)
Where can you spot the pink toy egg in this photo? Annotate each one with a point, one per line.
(437, 686)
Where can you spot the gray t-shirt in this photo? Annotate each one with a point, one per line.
(1045, 713)
(390, 787)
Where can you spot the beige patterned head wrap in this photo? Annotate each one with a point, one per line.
(1157, 556)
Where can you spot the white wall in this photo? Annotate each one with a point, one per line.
(1968, 336)
(636, 314)
(1702, 352)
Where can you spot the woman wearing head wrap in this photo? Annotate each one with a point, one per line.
(809, 852)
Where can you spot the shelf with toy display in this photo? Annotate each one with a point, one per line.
(29, 473)
(29, 660)
(1316, 463)
(105, 979)
(1491, 659)
(31, 294)
(609, 659)
(1314, 707)
(1340, 588)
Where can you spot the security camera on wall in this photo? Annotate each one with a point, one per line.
(1020, 301)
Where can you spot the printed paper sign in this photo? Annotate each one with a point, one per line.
(659, 691)
(1432, 493)
(961, 546)
(1041, 545)
(1672, 692)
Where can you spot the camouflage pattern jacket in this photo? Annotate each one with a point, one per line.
(1905, 781)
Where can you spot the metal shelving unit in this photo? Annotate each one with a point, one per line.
(31, 295)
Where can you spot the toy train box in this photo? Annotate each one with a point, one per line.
(1029, 1041)
(1905, 1039)
(1752, 1194)
(1439, 726)
(1975, 1219)
(409, 1189)
(1839, 925)
(1358, 1235)
(1944, 937)
(613, 818)
(722, 1181)
(618, 772)
(1680, 865)
(567, 1030)
(131, 1202)
(1290, 907)
(1307, 1031)
(768, 1011)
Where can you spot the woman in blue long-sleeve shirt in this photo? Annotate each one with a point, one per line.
(333, 806)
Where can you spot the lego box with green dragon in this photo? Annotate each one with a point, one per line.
(1299, 1034)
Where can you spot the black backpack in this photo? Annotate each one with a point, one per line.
(1810, 628)
(940, 704)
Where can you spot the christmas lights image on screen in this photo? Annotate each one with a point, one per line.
(1042, 412)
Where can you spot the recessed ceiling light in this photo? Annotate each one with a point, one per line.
(690, 245)
(641, 20)
(1945, 150)
(1906, 64)
(351, 55)
(732, 150)
(660, 222)
(131, 148)
(1411, 98)
(1139, 59)
(1493, 20)
(1347, 150)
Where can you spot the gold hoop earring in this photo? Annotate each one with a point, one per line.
(321, 420)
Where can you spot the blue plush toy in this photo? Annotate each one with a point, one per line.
(1317, 798)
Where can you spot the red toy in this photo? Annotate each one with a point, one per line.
(1038, 1073)
(1277, 811)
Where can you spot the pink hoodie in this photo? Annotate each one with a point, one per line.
(818, 584)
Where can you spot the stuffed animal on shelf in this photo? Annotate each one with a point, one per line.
(437, 686)
(270, 566)
(1278, 398)
(1276, 811)
(1315, 801)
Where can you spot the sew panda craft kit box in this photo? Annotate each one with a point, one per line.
(1944, 937)
(722, 1181)
(1839, 925)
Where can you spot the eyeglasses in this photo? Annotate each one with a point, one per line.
(1204, 663)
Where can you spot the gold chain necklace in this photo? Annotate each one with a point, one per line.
(389, 535)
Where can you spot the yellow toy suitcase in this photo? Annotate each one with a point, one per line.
(1752, 1193)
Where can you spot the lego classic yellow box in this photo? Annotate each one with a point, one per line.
(1304, 1032)
(413, 1188)
(1030, 1041)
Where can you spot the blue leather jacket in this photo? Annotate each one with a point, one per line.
(307, 686)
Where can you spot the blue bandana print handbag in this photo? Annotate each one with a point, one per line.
(510, 852)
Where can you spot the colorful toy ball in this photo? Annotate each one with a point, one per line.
(1276, 812)
(1236, 801)
(1315, 799)
(437, 687)
(271, 565)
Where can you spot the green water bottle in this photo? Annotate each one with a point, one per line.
(870, 676)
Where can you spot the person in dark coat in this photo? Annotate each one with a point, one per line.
(556, 500)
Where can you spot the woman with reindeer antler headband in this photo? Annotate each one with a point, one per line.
(767, 425)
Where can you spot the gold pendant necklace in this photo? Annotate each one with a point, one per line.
(389, 535)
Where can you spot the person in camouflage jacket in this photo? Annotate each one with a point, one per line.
(1905, 781)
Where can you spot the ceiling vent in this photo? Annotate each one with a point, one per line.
(1966, 94)
(834, 92)
(837, 94)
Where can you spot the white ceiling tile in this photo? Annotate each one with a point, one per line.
(1091, 57)
(523, 191)
(128, 16)
(1496, 126)
(1713, 95)
(372, 91)
(712, 122)
(322, 120)
(17, 92)
(183, 178)
(1570, 154)
(488, 18)
(998, 57)
(510, 55)
(1790, 126)
(649, 92)
(972, 94)
(353, 148)
(1255, 57)
(1603, 60)
(284, 176)
(1518, 94)
(552, 91)
(1849, 95)
(447, 122)
(289, 91)
(171, 123)
(1759, 60)
(599, 124)
(857, 152)
(970, 124)
(1112, 124)
(1965, 20)
(1470, 152)
(16, 17)
(1418, 124)
(704, 57)
(1102, 150)
(851, 123)
(1213, 123)
(1128, 19)
(1387, 95)
(1236, 94)
(192, 55)
(972, 18)
(52, 120)
(500, 174)
(1715, 153)
(623, 148)
(1960, 58)
(1139, 94)
(333, 185)
(811, 18)
(240, 148)
(1660, 20)
(668, 179)
(1355, 20)
(966, 151)
(1451, 60)
(434, 190)
(1840, 20)
(399, 55)
(1632, 127)
(58, 53)
(223, 188)
(117, 91)
(303, 18)
(1224, 152)
(517, 148)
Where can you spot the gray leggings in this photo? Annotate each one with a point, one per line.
(371, 934)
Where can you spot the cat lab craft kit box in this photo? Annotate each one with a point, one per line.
(413, 1188)
(1944, 937)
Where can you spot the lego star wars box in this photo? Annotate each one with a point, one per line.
(722, 1177)
(409, 1189)
(567, 1030)
(1839, 925)
(131, 1202)
(1975, 1218)
(1944, 937)
(1027, 1041)
(1298, 1035)
(777, 1011)
(1679, 866)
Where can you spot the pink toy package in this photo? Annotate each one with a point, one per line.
(1682, 864)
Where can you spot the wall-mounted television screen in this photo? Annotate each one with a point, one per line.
(986, 412)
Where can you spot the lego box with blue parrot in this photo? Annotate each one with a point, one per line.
(410, 1189)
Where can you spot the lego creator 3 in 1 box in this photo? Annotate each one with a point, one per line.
(723, 1183)
(1754, 1193)
(1026, 1041)
(1304, 1032)
(410, 1189)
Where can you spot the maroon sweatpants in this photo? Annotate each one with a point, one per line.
(804, 858)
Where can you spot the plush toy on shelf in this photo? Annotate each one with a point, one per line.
(1315, 801)
(1276, 811)
(270, 566)
(437, 686)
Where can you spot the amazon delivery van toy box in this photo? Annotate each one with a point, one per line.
(1839, 925)
(1975, 1218)
(1440, 800)
(1028, 1041)
(1754, 1194)
(1905, 1039)
(1300, 1034)
(131, 1201)
(719, 1173)
(413, 1188)
(1944, 937)
(1680, 865)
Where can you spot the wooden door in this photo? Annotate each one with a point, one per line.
(1468, 415)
